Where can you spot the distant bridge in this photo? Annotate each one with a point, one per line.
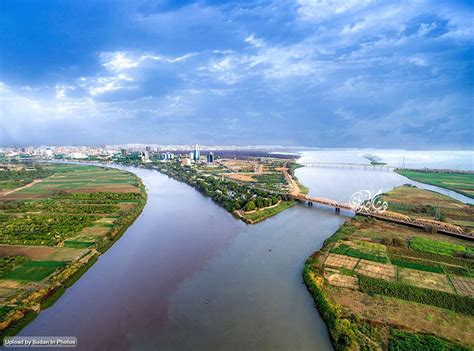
(443, 227)
(386, 168)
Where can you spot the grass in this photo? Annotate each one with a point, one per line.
(75, 244)
(437, 247)
(34, 270)
(266, 213)
(462, 183)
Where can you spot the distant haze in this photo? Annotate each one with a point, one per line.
(327, 73)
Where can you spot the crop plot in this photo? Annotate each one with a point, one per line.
(34, 270)
(463, 285)
(376, 270)
(427, 280)
(341, 261)
(342, 281)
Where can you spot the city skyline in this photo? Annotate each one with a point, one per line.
(305, 73)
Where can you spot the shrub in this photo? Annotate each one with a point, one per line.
(417, 266)
(347, 250)
(401, 340)
(373, 286)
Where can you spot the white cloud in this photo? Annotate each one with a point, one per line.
(120, 61)
(314, 10)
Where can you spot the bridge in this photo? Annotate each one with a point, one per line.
(395, 217)
(364, 166)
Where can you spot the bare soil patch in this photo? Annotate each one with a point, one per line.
(240, 177)
(37, 253)
(427, 280)
(376, 270)
(341, 261)
(464, 285)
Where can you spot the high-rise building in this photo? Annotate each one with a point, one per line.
(123, 152)
(197, 153)
(210, 157)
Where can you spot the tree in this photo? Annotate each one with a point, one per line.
(250, 206)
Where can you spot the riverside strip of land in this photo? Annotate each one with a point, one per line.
(251, 189)
(460, 182)
(381, 285)
(55, 220)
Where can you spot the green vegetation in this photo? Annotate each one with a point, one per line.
(34, 270)
(419, 281)
(437, 247)
(421, 203)
(8, 263)
(260, 215)
(402, 291)
(402, 340)
(427, 256)
(42, 229)
(62, 223)
(347, 250)
(14, 178)
(462, 183)
(418, 266)
(227, 193)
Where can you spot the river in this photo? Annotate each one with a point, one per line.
(187, 275)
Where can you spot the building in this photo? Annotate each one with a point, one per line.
(148, 149)
(123, 152)
(210, 157)
(145, 156)
(197, 153)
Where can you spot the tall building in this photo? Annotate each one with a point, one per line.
(210, 157)
(197, 153)
(123, 152)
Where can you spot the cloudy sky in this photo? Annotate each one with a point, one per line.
(331, 73)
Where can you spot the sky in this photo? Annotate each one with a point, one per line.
(323, 73)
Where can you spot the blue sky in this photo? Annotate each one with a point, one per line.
(342, 73)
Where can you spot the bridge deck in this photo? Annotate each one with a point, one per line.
(443, 227)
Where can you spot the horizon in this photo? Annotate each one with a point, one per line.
(330, 74)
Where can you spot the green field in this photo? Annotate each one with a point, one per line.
(462, 183)
(56, 227)
(437, 247)
(34, 270)
(373, 278)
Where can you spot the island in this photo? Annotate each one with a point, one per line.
(55, 220)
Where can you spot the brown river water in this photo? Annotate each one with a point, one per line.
(189, 276)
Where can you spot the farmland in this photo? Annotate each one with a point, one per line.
(54, 227)
(462, 183)
(421, 203)
(385, 285)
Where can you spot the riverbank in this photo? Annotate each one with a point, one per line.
(249, 203)
(457, 181)
(382, 285)
(256, 216)
(88, 208)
